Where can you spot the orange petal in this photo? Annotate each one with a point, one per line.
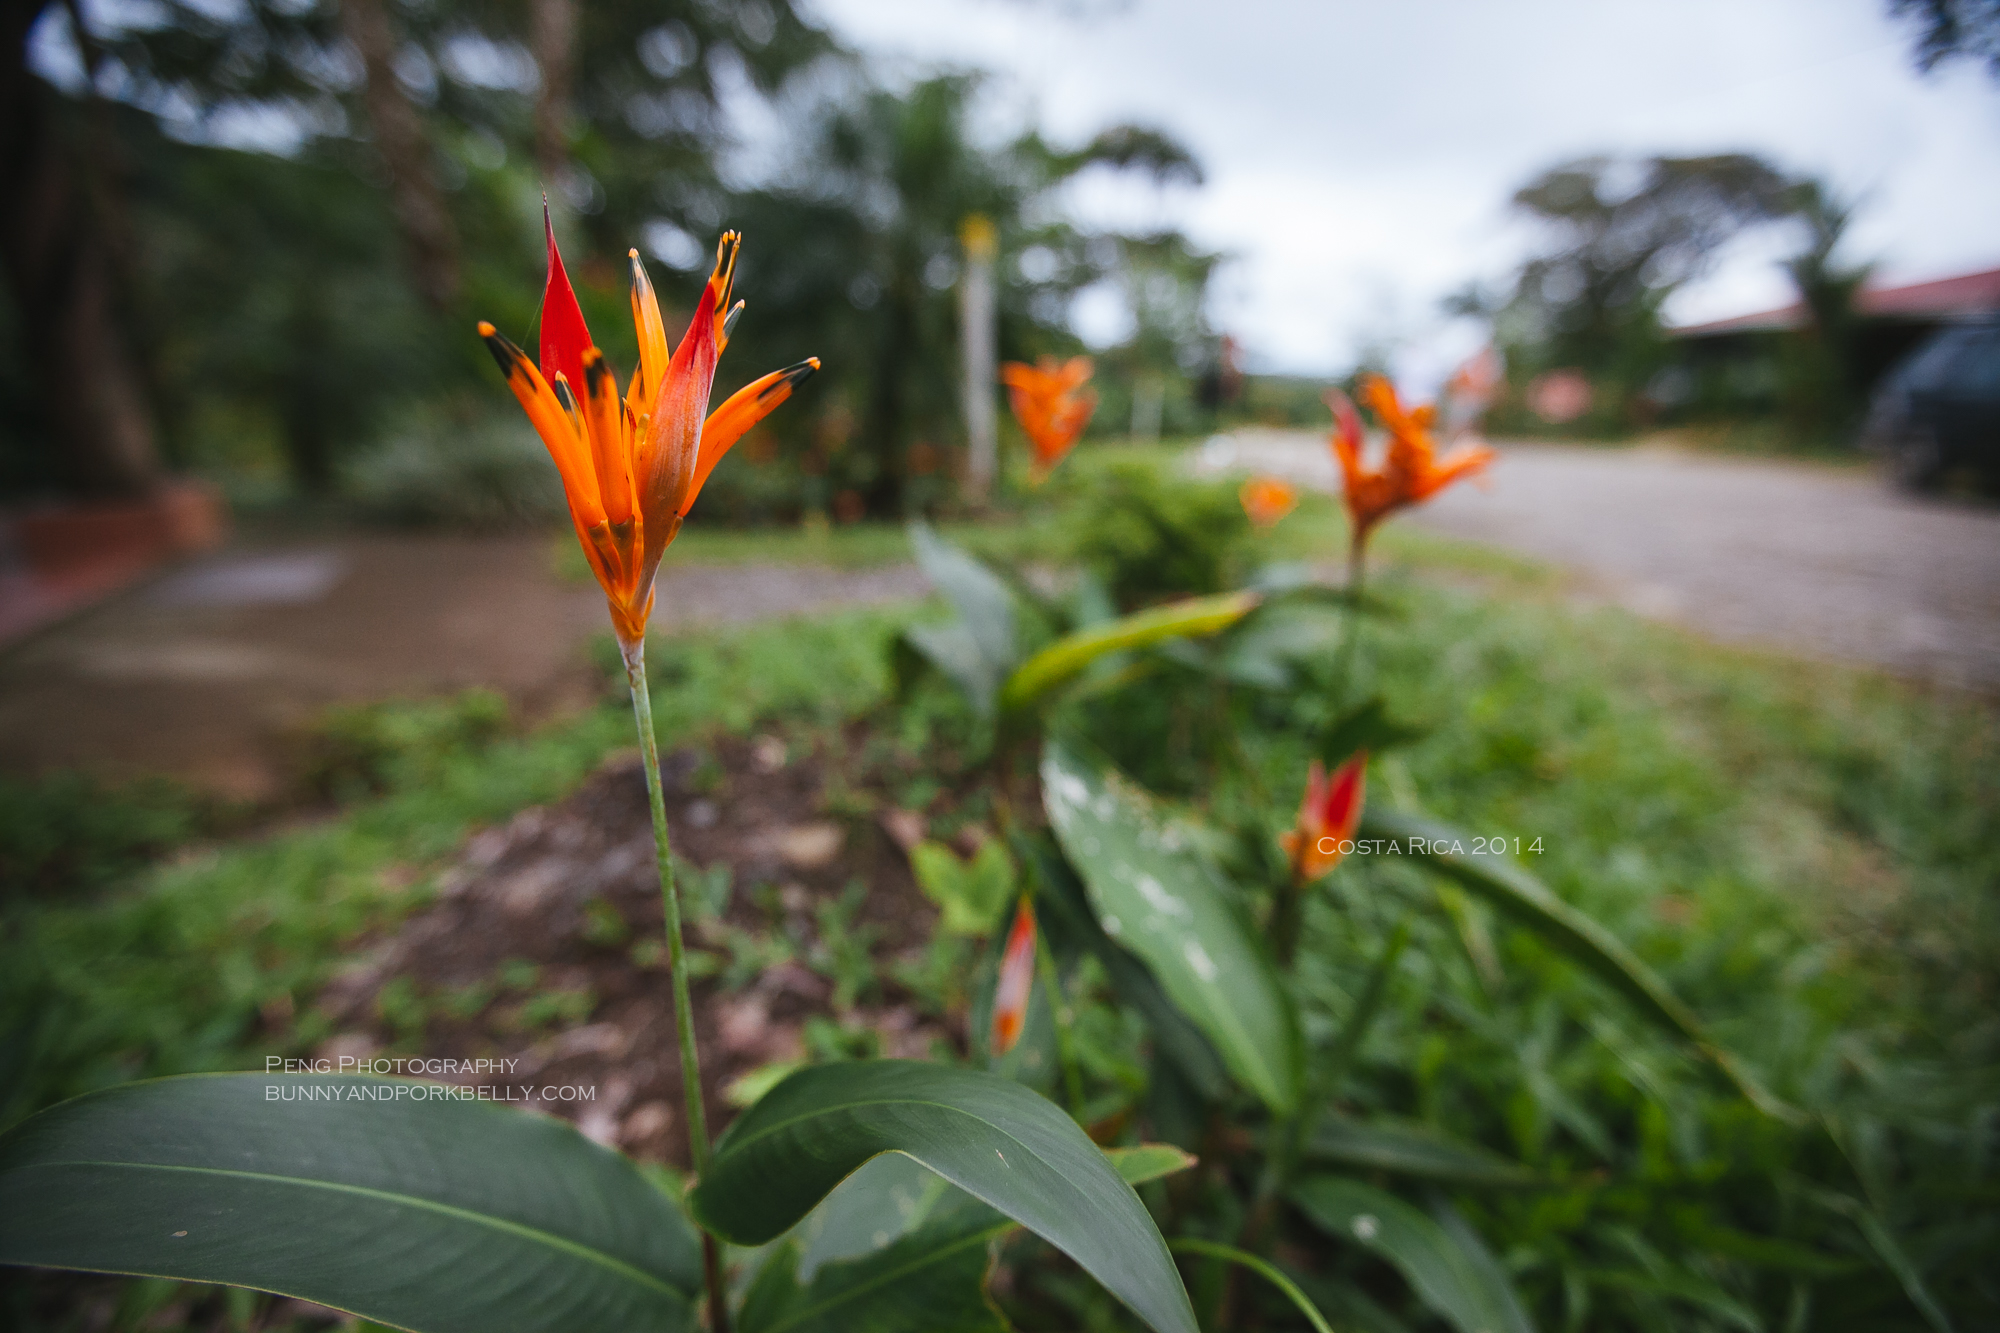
(610, 447)
(665, 462)
(745, 408)
(654, 353)
(1017, 976)
(556, 426)
(1462, 461)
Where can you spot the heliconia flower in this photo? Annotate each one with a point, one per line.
(1268, 499)
(1017, 978)
(1052, 405)
(1328, 816)
(1411, 471)
(632, 468)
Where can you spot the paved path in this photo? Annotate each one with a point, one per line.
(1822, 562)
(204, 673)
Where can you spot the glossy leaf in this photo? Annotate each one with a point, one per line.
(1529, 902)
(997, 1141)
(1064, 659)
(1067, 917)
(1157, 897)
(929, 1280)
(440, 1216)
(1460, 1283)
(1414, 1151)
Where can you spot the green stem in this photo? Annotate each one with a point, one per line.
(1215, 1250)
(634, 654)
(1357, 574)
(1065, 1046)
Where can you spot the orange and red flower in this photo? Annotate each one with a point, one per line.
(1328, 816)
(1052, 405)
(631, 469)
(1017, 979)
(1268, 499)
(1411, 471)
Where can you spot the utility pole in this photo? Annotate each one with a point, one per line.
(977, 337)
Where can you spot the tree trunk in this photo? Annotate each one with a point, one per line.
(552, 36)
(60, 273)
(419, 205)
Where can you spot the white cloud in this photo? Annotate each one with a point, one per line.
(1362, 155)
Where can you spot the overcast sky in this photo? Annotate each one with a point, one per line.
(1359, 157)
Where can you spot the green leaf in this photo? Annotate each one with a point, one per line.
(1066, 917)
(1367, 726)
(440, 1216)
(973, 894)
(1462, 1284)
(1414, 1151)
(1157, 897)
(1149, 1161)
(1066, 657)
(1681, 1287)
(994, 1139)
(929, 1280)
(978, 649)
(1529, 902)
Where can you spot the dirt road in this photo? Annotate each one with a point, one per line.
(1817, 561)
(203, 673)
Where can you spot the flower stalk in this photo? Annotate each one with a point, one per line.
(634, 653)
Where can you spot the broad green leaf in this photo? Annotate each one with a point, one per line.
(978, 594)
(1529, 902)
(1148, 1161)
(997, 1141)
(1157, 897)
(1462, 1285)
(928, 1280)
(1069, 655)
(972, 894)
(1067, 919)
(440, 1216)
(955, 653)
(1414, 1151)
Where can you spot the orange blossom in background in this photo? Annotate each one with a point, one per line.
(1268, 499)
(1411, 471)
(1328, 816)
(1052, 405)
(1017, 976)
(632, 468)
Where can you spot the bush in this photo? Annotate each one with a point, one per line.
(369, 749)
(1149, 534)
(487, 473)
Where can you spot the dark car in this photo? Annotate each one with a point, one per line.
(1938, 411)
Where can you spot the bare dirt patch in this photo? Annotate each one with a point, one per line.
(544, 944)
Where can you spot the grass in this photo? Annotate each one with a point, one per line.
(210, 961)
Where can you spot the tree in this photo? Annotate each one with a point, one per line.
(1820, 372)
(865, 218)
(1948, 29)
(1623, 236)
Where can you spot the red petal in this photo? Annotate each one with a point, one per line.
(1344, 796)
(564, 337)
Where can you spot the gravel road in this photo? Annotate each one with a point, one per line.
(1818, 561)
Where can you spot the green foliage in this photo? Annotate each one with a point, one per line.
(972, 893)
(69, 833)
(356, 750)
(1149, 534)
(489, 472)
(1157, 896)
(515, 1222)
(1000, 1143)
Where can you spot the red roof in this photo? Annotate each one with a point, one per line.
(1966, 294)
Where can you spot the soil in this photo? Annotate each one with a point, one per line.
(572, 890)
